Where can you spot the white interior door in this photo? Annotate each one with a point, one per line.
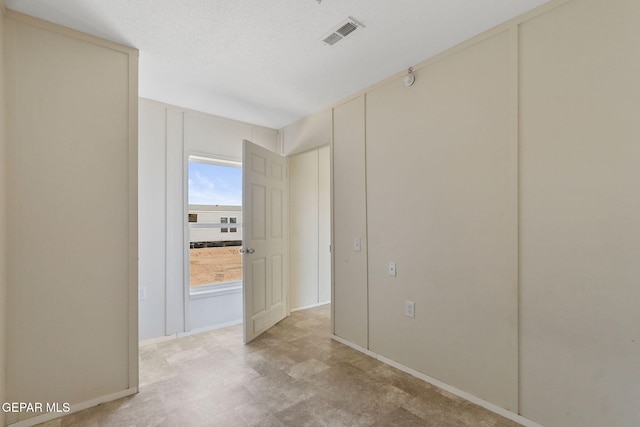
(265, 246)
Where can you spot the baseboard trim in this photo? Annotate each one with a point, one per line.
(310, 306)
(209, 328)
(157, 340)
(463, 394)
(75, 408)
(354, 346)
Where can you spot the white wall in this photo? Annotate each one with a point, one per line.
(71, 164)
(324, 224)
(306, 142)
(173, 232)
(504, 185)
(303, 229)
(152, 200)
(3, 222)
(309, 229)
(307, 134)
(168, 134)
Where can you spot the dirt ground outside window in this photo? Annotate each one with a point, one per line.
(209, 266)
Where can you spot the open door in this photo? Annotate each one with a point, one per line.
(265, 246)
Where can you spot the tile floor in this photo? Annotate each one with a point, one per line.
(292, 375)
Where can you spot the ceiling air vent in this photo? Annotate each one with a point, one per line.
(341, 31)
(332, 39)
(347, 29)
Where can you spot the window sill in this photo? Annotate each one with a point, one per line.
(219, 289)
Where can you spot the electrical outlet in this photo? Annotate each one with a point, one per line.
(357, 246)
(410, 309)
(142, 293)
(391, 269)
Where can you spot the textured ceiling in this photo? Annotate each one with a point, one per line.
(263, 61)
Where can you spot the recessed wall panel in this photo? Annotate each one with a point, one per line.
(580, 210)
(72, 226)
(441, 204)
(350, 223)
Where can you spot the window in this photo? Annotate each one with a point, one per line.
(214, 204)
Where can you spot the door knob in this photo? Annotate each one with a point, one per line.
(248, 251)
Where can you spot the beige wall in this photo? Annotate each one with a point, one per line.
(72, 136)
(439, 204)
(580, 211)
(309, 229)
(350, 292)
(3, 222)
(504, 186)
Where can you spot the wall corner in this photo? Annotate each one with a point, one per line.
(3, 223)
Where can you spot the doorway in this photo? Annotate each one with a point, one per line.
(213, 263)
(214, 233)
(310, 229)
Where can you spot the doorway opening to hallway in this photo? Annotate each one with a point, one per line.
(213, 279)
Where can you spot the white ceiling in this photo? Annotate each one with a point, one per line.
(263, 61)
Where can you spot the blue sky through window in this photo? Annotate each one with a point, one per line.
(214, 184)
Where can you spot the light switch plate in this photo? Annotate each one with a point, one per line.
(357, 246)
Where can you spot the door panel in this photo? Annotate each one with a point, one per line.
(259, 275)
(276, 277)
(259, 217)
(265, 189)
(276, 213)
